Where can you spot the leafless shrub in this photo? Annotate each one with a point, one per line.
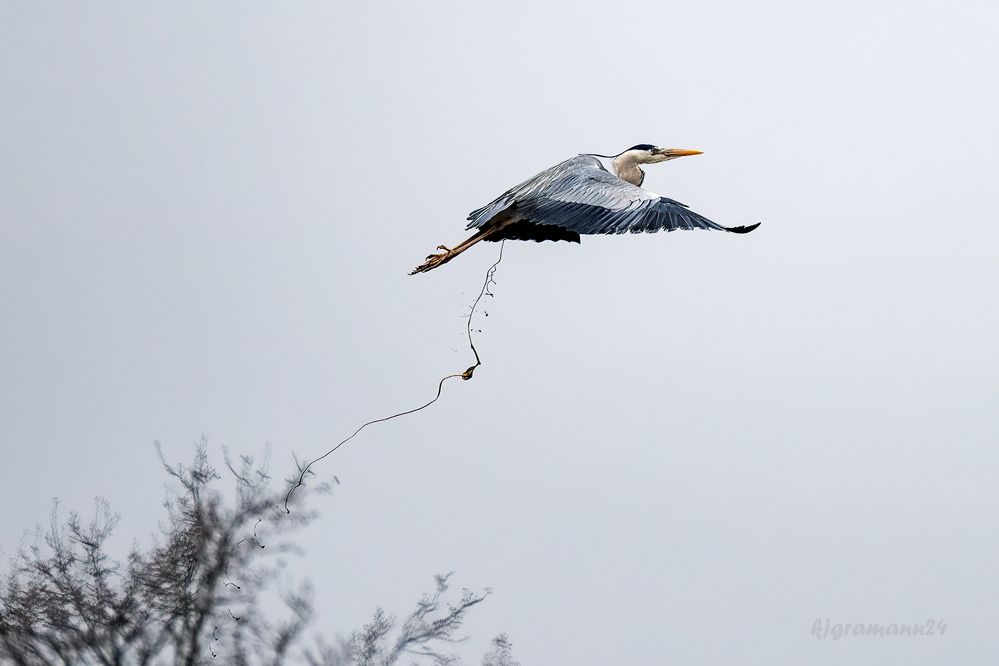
(197, 594)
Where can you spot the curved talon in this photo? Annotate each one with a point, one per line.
(449, 253)
(433, 260)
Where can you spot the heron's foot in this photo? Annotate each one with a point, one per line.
(443, 247)
(434, 260)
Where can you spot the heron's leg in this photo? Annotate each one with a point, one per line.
(435, 260)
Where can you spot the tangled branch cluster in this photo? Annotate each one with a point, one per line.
(197, 594)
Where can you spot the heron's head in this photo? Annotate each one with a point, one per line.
(646, 153)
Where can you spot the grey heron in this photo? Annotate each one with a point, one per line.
(579, 196)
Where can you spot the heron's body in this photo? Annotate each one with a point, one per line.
(579, 196)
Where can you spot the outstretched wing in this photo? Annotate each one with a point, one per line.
(581, 196)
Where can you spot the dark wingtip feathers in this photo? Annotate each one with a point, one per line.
(742, 230)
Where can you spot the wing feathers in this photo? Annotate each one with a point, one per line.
(580, 196)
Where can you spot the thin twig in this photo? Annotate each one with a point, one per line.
(466, 375)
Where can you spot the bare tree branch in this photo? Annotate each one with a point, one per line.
(198, 592)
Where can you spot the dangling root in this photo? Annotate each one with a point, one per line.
(466, 375)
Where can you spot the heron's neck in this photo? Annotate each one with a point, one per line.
(627, 169)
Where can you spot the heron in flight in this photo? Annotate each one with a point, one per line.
(579, 196)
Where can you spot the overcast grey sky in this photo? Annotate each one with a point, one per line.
(681, 448)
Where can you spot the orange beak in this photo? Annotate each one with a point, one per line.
(679, 152)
